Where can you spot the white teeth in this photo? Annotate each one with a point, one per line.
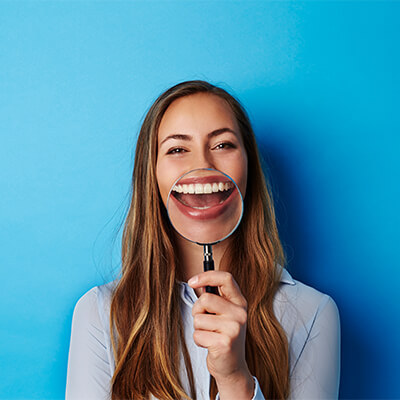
(199, 188)
(207, 188)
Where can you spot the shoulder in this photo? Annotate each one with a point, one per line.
(296, 300)
(90, 360)
(86, 305)
(93, 306)
(305, 313)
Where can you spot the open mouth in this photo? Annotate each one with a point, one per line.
(202, 196)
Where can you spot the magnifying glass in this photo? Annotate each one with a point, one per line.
(205, 206)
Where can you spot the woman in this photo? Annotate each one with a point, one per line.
(265, 336)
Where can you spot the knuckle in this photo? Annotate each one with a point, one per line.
(242, 316)
(196, 321)
(228, 278)
(196, 337)
(194, 308)
(225, 343)
(235, 329)
(205, 298)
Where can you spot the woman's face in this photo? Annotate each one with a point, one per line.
(199, 131)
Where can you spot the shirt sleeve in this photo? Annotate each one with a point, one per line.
(257, 395)
(316, 374)
(88, 373)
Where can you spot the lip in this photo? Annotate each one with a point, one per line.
(208, 213)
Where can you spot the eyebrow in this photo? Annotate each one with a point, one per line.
(180, 136)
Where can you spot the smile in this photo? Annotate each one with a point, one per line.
(202, 196)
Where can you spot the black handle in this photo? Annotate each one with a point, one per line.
(209, 266)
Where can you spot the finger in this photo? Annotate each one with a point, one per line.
(216, 323)
(209, 340)
(207, 322)
(210, 303)
(227, 285)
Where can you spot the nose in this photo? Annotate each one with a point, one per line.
(203, 159)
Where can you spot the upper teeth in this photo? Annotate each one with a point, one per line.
(199, 188)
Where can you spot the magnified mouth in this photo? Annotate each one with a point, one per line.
(202, 196)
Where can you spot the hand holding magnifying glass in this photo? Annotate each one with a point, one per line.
(205, 206)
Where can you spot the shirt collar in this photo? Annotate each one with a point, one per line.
(286, 277)
(188, 295)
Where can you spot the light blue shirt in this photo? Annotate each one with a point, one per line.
(309, 318)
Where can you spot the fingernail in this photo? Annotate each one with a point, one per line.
(193, 281)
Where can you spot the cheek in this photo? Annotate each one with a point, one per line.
(167, 173)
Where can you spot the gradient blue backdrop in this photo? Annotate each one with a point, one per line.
(321, 83)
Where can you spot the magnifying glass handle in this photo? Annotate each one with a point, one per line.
(209, 266)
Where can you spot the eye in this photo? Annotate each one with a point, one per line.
(176, 150)
(224, 145)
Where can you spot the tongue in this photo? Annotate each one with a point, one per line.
(201, 200)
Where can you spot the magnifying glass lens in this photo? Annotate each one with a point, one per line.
(205, 206)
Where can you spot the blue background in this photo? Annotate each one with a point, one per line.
(321, 83)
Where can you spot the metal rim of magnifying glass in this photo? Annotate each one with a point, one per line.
(241, 199)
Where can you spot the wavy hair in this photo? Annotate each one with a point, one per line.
(147, 331)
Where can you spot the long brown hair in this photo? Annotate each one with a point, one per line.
(147, 334)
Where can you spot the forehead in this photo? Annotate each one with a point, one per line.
(199, 113)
